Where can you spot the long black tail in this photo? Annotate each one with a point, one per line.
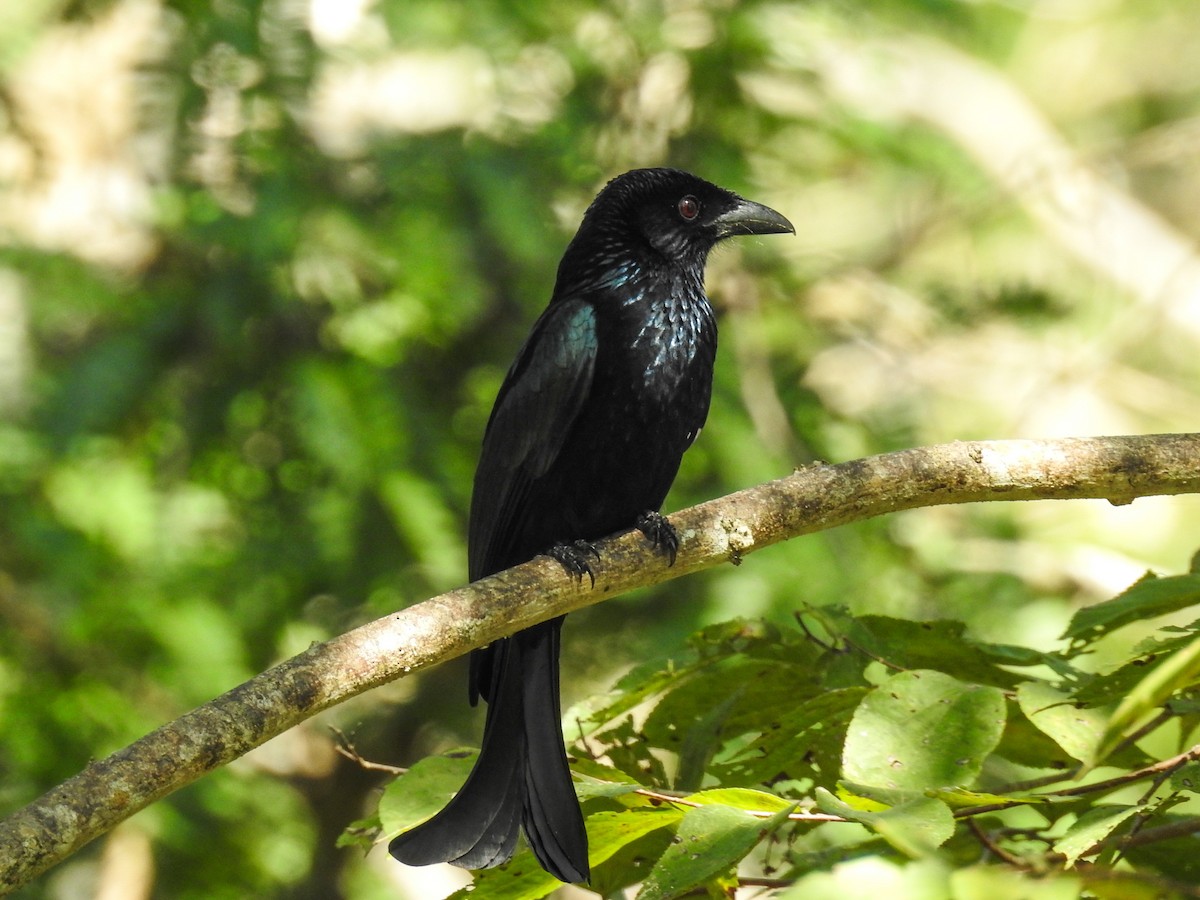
(521, 776)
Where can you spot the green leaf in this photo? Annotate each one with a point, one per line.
(921, 730)
(741, 798)
(1092, 827)
(1052, 712)
(360, 833)
(520, 879)
(744, 689)
(423, 790)
(1112, 686)
(1149, 597)
(626, 844)
(940, 645)
(700, 743)
(916, 827)
(587, 789)
(783, 748)
(634, 688)
(625, 747)
(1174, 858)
(609, 832)
(1176, 673)
(710, 840)
(876, 799)
(989, 882)
(1187, 778)
(958, 798)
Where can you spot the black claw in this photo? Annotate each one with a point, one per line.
(574, 558)
(660, 532)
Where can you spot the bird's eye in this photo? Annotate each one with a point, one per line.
(689, 208)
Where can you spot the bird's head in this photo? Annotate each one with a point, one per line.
(663, 218)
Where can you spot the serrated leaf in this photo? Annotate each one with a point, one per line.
(747, 689)
(1076, 730)
(634, 688)
(1149, 597)
(1092, 827)
(921, 730)
(1025, 743)
(1187, 778)
(741, 798)
(590, 770)
(625, 748)
(916, 827)
(423, 790)
(867, 797)
(941, 645)
(1112, 686)
(958, 798)
(1178, 672)
(710, 840)
(789, 736)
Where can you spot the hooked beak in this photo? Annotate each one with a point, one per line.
(748, 217)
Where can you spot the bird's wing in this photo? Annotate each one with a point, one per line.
(541, 396)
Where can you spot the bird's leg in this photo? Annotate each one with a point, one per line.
(574, 558)
(660, 533)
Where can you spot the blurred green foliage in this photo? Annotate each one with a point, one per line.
(263, 265)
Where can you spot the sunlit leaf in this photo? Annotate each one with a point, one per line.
(741, 798)
(423, 790)
(920, 730)
(1092, 827)
(710, 840)
(609, 832)
(983, 882)
(1177, 672)
(1149, 597)
(789, 735)
(1077, 730)
(520, 879)
(916, 827)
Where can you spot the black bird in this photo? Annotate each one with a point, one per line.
(592, 420)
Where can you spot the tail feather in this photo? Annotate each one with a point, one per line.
(478, 828)
(552, 819)
(521, 776)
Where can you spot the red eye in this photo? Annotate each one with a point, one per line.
(689, 208)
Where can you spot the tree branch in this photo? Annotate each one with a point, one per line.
(106, 792)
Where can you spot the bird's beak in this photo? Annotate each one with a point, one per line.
(748, 217)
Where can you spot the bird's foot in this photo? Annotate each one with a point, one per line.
(574, 557)
(660, 533)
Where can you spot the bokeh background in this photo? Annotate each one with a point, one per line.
(263, 266)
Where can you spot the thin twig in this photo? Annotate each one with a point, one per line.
(995, 849)
(1161, 768)
(346, 748)
(1182, 828)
